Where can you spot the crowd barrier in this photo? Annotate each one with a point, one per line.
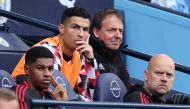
(29, 20)
(103, 105)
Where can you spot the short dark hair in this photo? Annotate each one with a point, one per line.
(100, 15)
(37, 52)
(7, 94)
(75, 11)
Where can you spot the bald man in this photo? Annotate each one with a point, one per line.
(158, 81)
(159, 77)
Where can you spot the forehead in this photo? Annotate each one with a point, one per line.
(112, 20)
(44, 62)
(163, 66)
(84, 22)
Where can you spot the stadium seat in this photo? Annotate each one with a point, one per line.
(6, 81)
(109, 88)
(60, 78)
(11, 50)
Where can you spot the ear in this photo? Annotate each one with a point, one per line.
(26, 69)
(145, 75)
(61, 28)
(96, 32)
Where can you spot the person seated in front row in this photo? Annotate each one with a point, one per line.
(159, 78)
(8, 99)
(39, 69)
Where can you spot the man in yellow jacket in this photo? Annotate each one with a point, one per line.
(68, 46)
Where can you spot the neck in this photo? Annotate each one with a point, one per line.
(151, 93)
(67, 58)
(65, 49)
(38, 90)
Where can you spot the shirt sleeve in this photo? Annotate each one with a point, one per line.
(87, 78)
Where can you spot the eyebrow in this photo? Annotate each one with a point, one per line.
(42, 65)
(75, 24)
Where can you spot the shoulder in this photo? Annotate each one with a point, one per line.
(21, 90)
(52, 44)
(22, 86)
(137, 94)
(132, 97)
(51, 40)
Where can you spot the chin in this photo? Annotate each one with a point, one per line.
(162, 92)
(113, 48)
(116, 47)
(45, 86)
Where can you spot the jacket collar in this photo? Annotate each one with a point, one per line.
(100, 48)
(154, 98)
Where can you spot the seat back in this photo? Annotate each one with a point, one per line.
(6, 81)
(109, 88)
(11, 50)
(61, 79)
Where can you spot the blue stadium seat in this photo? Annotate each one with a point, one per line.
(6, 81)
(11, 50)
(109, 88)
(60, 78)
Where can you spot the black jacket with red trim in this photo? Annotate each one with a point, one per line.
(110, 61)
(25, 93)
(137, 94)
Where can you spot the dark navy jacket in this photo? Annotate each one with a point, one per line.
(109, 61)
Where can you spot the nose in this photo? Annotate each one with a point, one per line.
(81, 33)
(164, 78)
(47, 73)
(118, 34)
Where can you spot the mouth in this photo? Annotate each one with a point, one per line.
(115, 42)
(163, 87)
(77, 41)
(46, 81)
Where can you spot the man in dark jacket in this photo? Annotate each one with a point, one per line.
(106, 38)
(107, 35)
(159, 77)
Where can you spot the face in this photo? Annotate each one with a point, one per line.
(13, 104)
(39, 73)
(110, 32)
(160, 76)
(74, 29)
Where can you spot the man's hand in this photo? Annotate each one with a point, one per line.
(59, 93)
(85, 48)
